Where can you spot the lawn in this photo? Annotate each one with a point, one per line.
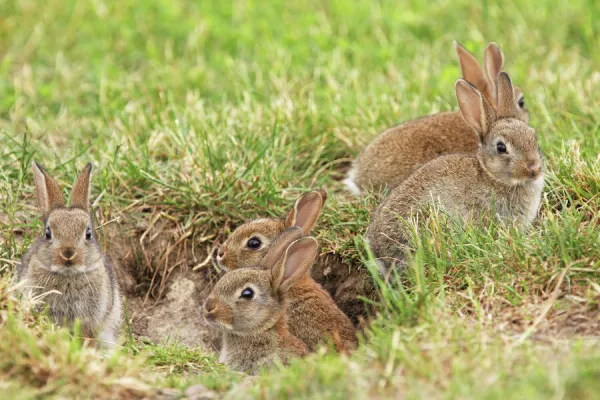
(199, 116)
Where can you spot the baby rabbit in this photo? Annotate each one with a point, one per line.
(249, 305)
(399, 151)
(248, 244)
(307, 301)
(68, 261)
(504, 176)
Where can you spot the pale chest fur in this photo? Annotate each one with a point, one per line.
(249, 353)
(83, 296)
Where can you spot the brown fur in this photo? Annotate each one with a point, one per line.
(72, 268)
(255, 331)
(399, 151)
(315, 317)
(468, 185)
(308, 301)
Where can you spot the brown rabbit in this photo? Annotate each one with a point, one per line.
(249, 305)
(67, 259)
(307, 301)
(504, 177)
(249, 243)
(399, 151)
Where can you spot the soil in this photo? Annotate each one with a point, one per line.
(170, 307)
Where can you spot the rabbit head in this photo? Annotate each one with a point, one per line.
(247, 301)
(484, 79)
(248, 244)
(68, 245)
(509, 150)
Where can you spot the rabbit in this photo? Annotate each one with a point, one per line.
(249, 306)
(307, 300)
(248, 244)
(504, 177)
(66, 266)
(396, 153)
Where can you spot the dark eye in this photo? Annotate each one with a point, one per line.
(522, 102)
(88, 233)
(501, 147)
(247, 294)
(48, 232)
(254, 243)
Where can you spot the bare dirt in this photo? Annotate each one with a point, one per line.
(166, 280)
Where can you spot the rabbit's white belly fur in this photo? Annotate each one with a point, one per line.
(531, 209)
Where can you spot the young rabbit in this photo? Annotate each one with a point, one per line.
(504, 176)
(67, 265)
(249, 305)
(307, 301)
(399, 151)
(248, 244)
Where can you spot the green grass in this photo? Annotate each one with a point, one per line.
(200, 115)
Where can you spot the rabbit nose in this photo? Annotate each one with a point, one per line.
(209, 305)
(68, 254)
(534, 168)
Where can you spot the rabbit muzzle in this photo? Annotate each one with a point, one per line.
(529, 169)
(217, 313)
(67, 257)
(227, 260)
(534, 168)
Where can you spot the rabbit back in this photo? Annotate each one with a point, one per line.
(314, 317)
(399, 151)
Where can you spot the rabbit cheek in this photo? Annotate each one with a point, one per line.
(251, 258)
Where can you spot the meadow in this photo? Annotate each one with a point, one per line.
(199, 116)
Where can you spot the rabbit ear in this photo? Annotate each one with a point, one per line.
(279, 245)
(475, 109)
(471, 70)
(493, 61)
(306, 210)
(296, 263)
(48, 193)
(80, 195)
(506, 97)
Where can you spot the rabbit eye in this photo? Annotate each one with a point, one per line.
(247, 294)
(88, 233)
(522, 102)
(48, 232)
(501, 147)
(254, 243)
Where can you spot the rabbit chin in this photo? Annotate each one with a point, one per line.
(224, 326)
(70, 270)
(526, 180)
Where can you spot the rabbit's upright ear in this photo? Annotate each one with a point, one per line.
(493, 61)
(506, 97)
(306, 211)
(472, 71)
(279, 245)
(48, 193)
(295, 264)
(80, 196)
(475, 109)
